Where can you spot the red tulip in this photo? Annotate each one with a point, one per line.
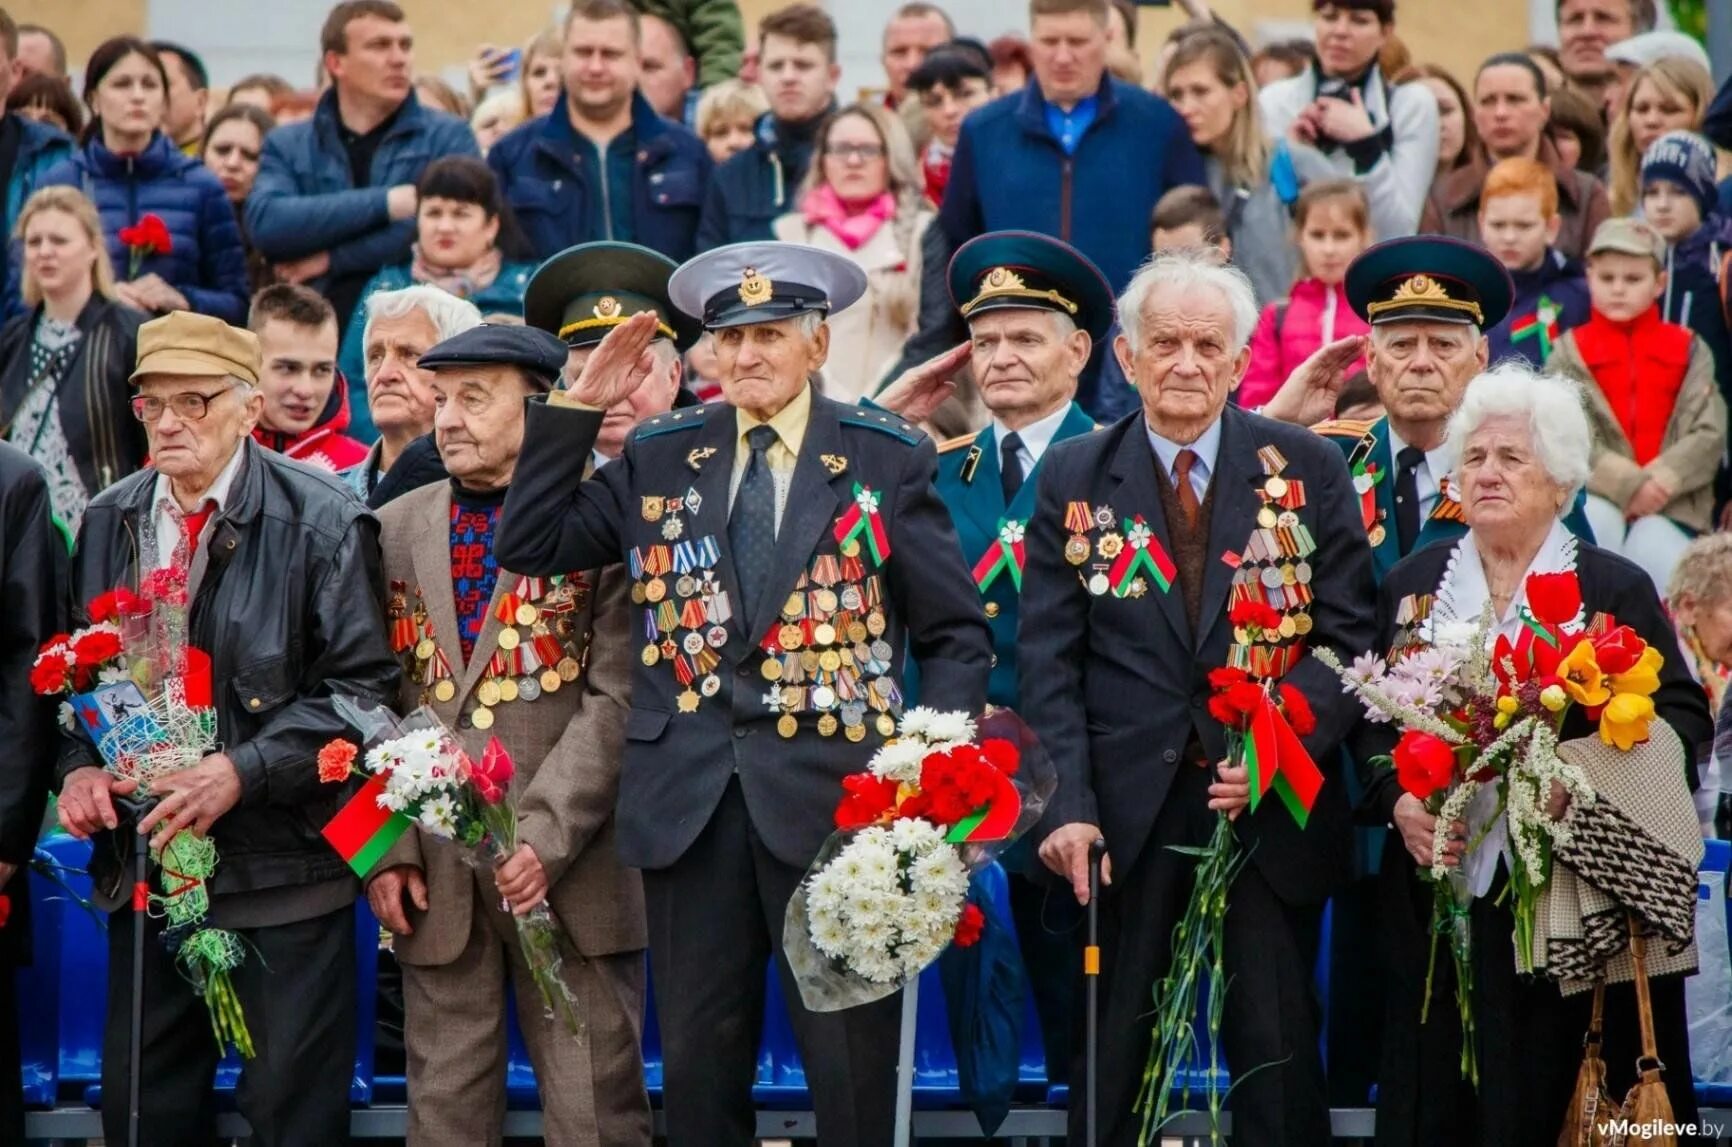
(1423, 763)
(1554, 598)
(1619, 650)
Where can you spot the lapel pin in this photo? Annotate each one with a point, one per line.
(970, 463)
(697, 457)
(835, 463)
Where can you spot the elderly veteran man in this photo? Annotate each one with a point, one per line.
(585, 291)
(282, 565)
(542, 664)
(1141, 537)
(1428, 299)
(773, 639)
(1034, 308)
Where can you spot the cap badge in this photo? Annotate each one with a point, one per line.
(1423, 290)
(607, 308)
(755, 290)
(1002, 282)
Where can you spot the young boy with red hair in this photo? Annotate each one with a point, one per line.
(1519, 223)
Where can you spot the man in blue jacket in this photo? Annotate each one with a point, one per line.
(27, 150)
(335, 196)
(798, 72)
(1076, 155)
(603, 165)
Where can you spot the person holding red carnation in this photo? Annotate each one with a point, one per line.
(1523, 448)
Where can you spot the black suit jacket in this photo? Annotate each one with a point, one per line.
(1115, 686)
(1611, 585)
(677, 765)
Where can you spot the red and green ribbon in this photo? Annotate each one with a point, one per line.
(1534, 327)
(1005, 554)
(862, 519)
(1366, 475)
(1278, 760)
(362, 832)
(1143, 553)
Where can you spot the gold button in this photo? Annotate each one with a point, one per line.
(254, 703)
(991, 609)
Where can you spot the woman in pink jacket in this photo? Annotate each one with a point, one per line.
(1332, 225)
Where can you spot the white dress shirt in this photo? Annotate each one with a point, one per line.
(1427, 476)
(166, 516)
(1035, 438)
(1207, 447)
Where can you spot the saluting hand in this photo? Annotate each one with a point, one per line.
(920, 390)
(1310, 393)
(619, 365)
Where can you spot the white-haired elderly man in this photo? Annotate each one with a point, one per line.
(1522, 448)
(402, 326)
(790, 555)
(1143, 535)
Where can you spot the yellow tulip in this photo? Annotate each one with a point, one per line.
(1500, 722)
(1554, 698)
(1643, 678)
(1583, 680)
(1624, 721)
(1507, 705)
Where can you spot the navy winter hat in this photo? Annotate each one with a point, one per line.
(1687, 159)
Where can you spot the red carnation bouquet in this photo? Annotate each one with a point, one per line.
(417, 773)
(149, 236)
(888, 892)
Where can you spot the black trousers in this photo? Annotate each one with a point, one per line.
(11, 1060)
(715, 920)
(1049, 923)
(1271, 1016)
(297, 990)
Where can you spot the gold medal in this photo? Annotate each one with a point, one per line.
(857, 632)
(569, 669)
(829, 661)
(794, 606)
(488, 692)
(855, 732)
(789, 637)
(809, 660)
(1302, 624)
(655, 589)
(550, 681)
(1377, 534)
(637, 596)
(687, 701)
(526, 614)
(850, 549)
(1267, 517)
(424, 649)
(826, 601)
(827, 725)
(444, 690)
(482, 718)
(787, 726)
(824, 634)
(770, 670)
(1288, 575)
(991, 610)
(886, 725)
(508, 690)
(1276, 486)
(652, 508)
(1076, 550)
(1111, 546)
(1288, 627)
(509, 639)
(651, 655)
(875, 624)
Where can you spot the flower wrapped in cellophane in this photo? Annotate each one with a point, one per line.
(888, 892)
(417, 773)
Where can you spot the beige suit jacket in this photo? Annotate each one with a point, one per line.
(566, 746)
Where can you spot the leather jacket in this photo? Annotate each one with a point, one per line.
(290, 609)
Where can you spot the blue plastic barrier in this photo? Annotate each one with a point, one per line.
(1712, 883)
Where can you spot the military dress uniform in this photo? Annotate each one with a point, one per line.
(767, 671)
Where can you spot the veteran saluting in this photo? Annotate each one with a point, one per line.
(787, 553)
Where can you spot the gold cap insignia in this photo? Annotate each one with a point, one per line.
(1424, 291)
(607, 308)
(1002, 282)
(755, 290)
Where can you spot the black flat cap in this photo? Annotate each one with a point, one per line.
(538, 354)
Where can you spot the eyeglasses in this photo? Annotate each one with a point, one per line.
(188, 405)
(864, 152)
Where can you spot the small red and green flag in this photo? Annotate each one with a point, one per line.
(1541, 325)
(862, 520)
(1143, 553)
(362, 832)
(1005, 555)
(1278, 760)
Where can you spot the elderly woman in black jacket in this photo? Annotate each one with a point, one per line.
(1521, 446)
(64, 364)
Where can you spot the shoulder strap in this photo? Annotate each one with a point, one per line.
(1283, 176)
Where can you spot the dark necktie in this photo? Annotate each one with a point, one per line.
(1407, 496)
(1010, 465)
(1182, 487)
(752, 524)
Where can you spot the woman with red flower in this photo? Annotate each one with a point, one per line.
(1575, 617)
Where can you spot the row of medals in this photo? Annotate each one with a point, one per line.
(503, 688)
(843, 654)
(1280, 568)
(1110, 545)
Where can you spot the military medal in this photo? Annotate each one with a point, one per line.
(1098, 584)
(444, 690)
(488, 692)
(771, 669)
(1267, 518)
(651, 655)
(507, 690)
(1377, 534)
(886, 725)
(527, 614)
(654, 590)
(482, 718)
(672, 529)
(653, 507)
(509, 639)
(1076, 550)
(827, 725)
(1111, 545)
(529, 689)
(687, 701)
(569, 669)
(550, 681)
(424, 648)
(786, 725)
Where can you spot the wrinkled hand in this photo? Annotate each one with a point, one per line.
(1066, 852)
(385, 896)
(1310, 393)
(86, 805)
(487, 67)
(621, 362)
(157, 295)
(1344, 121)
(1232, 792)
(1303, 129)
(304, 270)
(1651, 498)
(920, 390)
(522, 880)
(192, 799)
(1418, 829)
(131, 295)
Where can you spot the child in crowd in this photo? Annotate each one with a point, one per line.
(1332, 225)
(1190, 216)
(949, 84)
(1680, 200)
(727, 117)
(1659, 421)
(1519, 222)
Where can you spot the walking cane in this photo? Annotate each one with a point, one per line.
(137, 809)
(1092, 974)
